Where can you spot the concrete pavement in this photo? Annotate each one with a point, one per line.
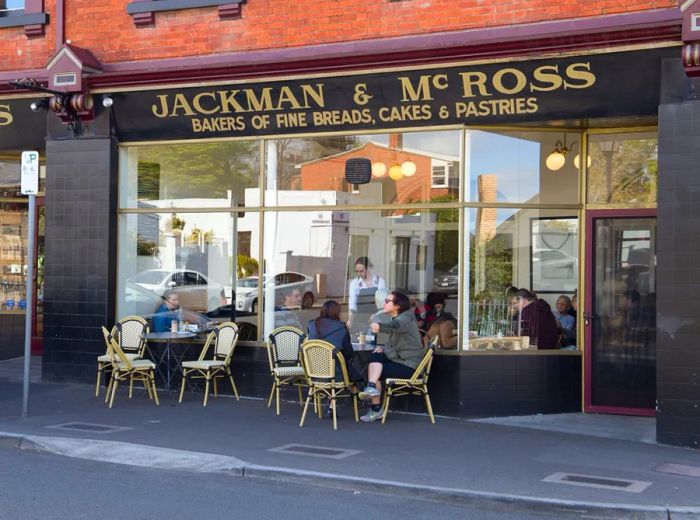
(506, 466)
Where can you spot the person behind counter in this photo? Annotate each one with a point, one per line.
(167, 312)
(365, 283)
(328, 327)
(444, 323)
(399, 356)
(536, 320)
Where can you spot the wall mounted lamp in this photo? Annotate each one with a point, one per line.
(38, 106)
(107, 101)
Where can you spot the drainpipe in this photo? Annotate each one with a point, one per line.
(60, 25)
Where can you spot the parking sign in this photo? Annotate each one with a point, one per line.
(30, 173)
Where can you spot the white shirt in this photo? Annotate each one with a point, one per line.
(358, 283)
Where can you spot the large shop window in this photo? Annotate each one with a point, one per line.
(193, 220)
(518, 258)
(510, 167)
(356, 258)
(623, 168)
(204, 175)
(407, 168)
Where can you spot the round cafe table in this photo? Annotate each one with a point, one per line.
(168, 362)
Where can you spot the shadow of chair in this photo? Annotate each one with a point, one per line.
(319, 359)
(417, 384)
(225, 338)
(126, 369)
(128, 333)
(284, 355)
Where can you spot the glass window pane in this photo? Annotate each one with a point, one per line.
(511, 166)
(11, 4)
(200, 175)
(509, 249)
(406, 168)
(10, 184)
(318, 256)
(156, 258)
(623, 168)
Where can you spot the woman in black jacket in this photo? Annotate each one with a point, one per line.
(328, 327)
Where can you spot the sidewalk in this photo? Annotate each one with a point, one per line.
(453, 460)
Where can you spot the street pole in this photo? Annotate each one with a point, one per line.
(28, 317)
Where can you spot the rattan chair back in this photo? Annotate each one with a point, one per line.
(422, 371)
(226, 335)
(286, 346)
(119, 360)
(130, 331)
(319, 362)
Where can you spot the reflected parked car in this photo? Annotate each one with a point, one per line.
(447, 282)
(195, 290)
(554, 264)
(247, 290)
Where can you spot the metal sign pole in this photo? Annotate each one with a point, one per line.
(29, 186)
(28, 321)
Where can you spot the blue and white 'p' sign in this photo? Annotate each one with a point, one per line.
(30, 173)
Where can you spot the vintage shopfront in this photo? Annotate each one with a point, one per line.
(206, 186)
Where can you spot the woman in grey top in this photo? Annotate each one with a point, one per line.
(401, 354)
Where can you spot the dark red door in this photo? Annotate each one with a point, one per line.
(620, 312)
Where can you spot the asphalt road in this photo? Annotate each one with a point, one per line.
(36, 485)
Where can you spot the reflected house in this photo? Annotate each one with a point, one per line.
(436, 176)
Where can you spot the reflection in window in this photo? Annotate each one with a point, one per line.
(509, 166)
(8, 5)
(524, 249)
(623, 168)
(190, 175)
(406, 168)
(313, 257)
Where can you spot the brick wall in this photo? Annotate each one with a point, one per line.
(267, 24)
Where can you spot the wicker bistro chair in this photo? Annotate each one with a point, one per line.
(283, 353)
(124, 369)
(128, 331)
(416, 385)
(320, 364)
(225, 338)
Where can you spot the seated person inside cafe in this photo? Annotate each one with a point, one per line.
(443, 323)
(168, 312)
(565, 321)
(285, 314)
(398, 357)
(535, 319)
(328, 327)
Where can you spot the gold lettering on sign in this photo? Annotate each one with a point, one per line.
(580, 71)
(5, 115)
(422, 91)
(266, 99)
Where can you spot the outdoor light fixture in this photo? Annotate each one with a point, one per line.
(38, 106)
(72, 109)
(107, 101)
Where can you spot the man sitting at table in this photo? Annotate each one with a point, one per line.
(536, 320)
(167, 312)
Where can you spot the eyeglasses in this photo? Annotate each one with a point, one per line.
(388, 300)
(360, 271)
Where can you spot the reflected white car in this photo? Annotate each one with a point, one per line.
(194, 289)
(247, 290)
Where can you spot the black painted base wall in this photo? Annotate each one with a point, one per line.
(12, 337)
(80, 255)
(678, 268)
(460, 386)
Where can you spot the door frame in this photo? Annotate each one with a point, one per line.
(591, 216)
